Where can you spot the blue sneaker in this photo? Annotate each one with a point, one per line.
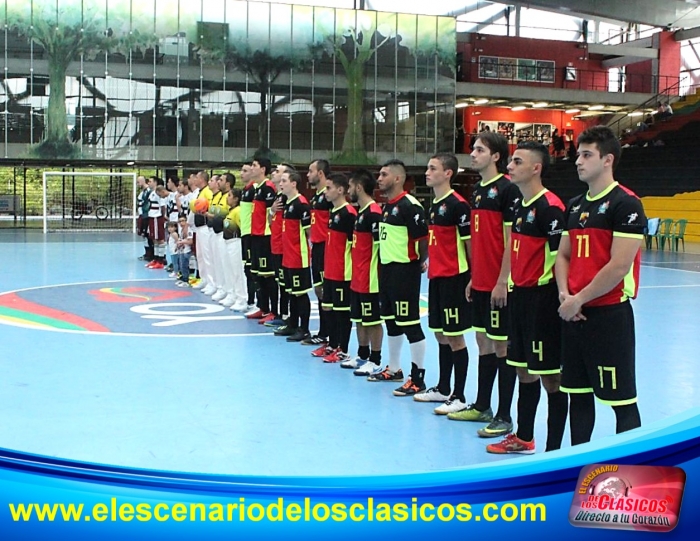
(275, 322)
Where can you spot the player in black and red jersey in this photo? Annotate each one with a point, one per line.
(493, 201)
(338, 269)
(319, 170)
(449, 314)
(597, 271)
(296, 258)
(403, 249)
(261, 251)
(535, 326)
(247, 196)
(364, 284)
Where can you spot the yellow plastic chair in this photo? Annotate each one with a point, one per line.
(663, 233)
(678, 234)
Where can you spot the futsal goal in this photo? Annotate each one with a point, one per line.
(89, 201)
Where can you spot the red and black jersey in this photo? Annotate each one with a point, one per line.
(247, 196)
(265, 193)
(591, 225)
(276, 242)
(365, 250)
(449, 227)
(403, 225)
(296, 221)
(493, 205)
(338, 261)
(537, 228)
(320, 212)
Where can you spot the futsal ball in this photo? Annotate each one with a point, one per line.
(201, 206)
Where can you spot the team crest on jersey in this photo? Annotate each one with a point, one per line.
(493, 192)
(442, 210)
(477, 200)
(360, 219)
(531, 216)
(518, 223)
(582, 218)
(515, 202)
(603, 208)
(632, 218)
(575, 209)
(395, 211)
(336, 219)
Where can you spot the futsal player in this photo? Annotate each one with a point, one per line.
(493, 201)
(535, 326)
(320, 210)
(364, 282)
(597, 272)
(247, 196)
(403, 249)
(449, 314)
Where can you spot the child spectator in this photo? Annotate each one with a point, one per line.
(183, 251)
(173, 237)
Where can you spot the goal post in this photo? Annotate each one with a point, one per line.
(89, 201)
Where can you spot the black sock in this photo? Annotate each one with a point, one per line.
(304, 307)
(375, 357)
(344, 329)
(557, 411)
(528, 398)
(293, 321)
(417, 374)
(251, 285)
(581, 417)
(363, 352)
(330, 329)
(445, 361)
(460, 359)
(284, 302)
(488, 368)
(272, 292)
(322, 321)
(627, 417)
(506, 388)
(263, 295)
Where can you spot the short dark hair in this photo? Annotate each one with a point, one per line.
(604, 139)
(204, 175)
(448, 161)
(364, 178)
(236, 192)
(496, 142)
(294, 177)
(339, 180)
(396, 164)
(288, 167)
(323, 166)
(230, 178)
(175, 180)
(540, 150)
(264, 163)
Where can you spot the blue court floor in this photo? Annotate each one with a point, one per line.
(106, 361)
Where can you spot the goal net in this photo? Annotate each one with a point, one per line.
(94, 201)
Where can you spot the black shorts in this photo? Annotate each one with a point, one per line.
(297, 281)
(261, 255)
(598, 354)
(448, 310)
(318, 255)
(336, 295)
(399, 292)
(492, 322)
(277, 267)
(245, 247)
(364, 308)
(535, 329)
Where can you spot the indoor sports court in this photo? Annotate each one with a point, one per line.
(108, 362)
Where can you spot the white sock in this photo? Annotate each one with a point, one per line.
(418, 354)
(395, 343)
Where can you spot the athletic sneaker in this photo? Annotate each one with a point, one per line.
(336, 356)
(275, 322)
(497, 427)
(453, 405)
(298, 336)
(157, 265)
(219, 295)
(227, 301)
(240, 307)
(169, 268)
(430, 395)
(269, 316)
(182, 283)
(321, 351)
(410, 388)
(386, 375)
(209, 290)
(470, 413)
(201, 284)
(315, 340)
(367, 369)
(512, 444)
(353, 363)
(255, 314)
(284, 330)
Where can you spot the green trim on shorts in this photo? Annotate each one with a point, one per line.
(297, 293)
(576, 391)
(388, 317)
(341, 309)
(516, 363)
(618, 402)
(407, 323)
(265, 274)
(457, 333)
(327, 305)
(545, 372)
(499, 338)
(479, 329)
(431, 329)
(369, 324)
